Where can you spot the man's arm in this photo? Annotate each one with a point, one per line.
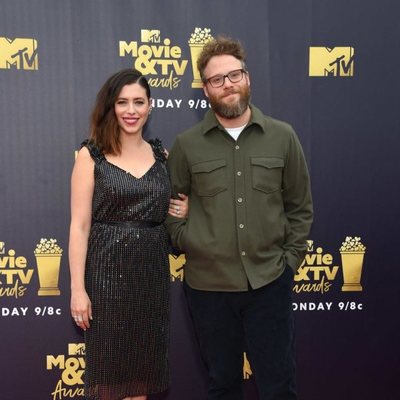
(180, 178)
(297, 201)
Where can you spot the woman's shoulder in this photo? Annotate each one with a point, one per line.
(159, 151)
(94, 150)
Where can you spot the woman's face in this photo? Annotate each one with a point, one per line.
(132, 109)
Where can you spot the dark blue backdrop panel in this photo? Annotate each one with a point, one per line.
(54, 56)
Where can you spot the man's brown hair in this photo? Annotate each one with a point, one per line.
(222, 45)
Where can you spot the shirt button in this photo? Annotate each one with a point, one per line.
(237, 147)
(243, 253)
(241, 226)
(239, 173)
(240, 200)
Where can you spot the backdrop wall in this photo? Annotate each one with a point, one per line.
(330, 68)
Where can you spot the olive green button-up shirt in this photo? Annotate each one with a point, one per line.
(250, 207)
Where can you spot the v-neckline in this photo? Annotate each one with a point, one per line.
(130, 173)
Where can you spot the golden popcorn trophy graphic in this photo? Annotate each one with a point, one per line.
(352, 252)
(48, 260)
(196, 43)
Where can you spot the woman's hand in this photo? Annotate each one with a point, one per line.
(81, 309)
(179, 208)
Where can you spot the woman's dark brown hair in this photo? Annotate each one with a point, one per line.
(104, 128)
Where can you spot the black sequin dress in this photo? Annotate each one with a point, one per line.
(127, 280)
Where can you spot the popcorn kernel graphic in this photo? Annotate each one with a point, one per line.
(352, 253)
(196, 43)
(48, 259)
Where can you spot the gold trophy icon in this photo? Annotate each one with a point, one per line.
(48, 260)
(352, 253)
(196, 43)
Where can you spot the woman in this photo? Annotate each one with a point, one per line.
(118, 248)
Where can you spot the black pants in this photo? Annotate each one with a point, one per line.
(259, 322)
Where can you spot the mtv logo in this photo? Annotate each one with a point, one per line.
(2, 247)
(247, 372)
(19, 53)
(75, 349)
(331, 61)
(176, 265)
(150, 36)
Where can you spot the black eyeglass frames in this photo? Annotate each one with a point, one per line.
(234, 76)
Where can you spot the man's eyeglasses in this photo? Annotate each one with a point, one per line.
(219, 80)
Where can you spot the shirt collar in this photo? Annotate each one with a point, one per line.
(210, 121)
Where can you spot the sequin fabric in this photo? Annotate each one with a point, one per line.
(127, 280)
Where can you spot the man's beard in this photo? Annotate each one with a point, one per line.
(233, 110)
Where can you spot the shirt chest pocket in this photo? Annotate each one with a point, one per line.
(209, 177)
(267, 173)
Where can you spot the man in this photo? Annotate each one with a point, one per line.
(249, 217)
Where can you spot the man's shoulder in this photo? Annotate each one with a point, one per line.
(279, 127)
(270, 123)
(191, 131)
(194, 133)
